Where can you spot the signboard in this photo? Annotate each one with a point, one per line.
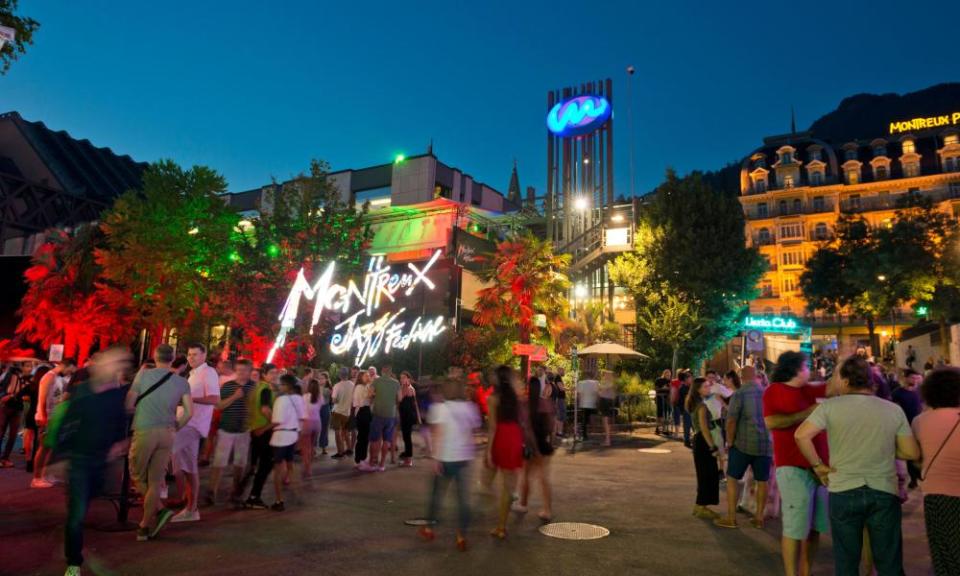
(56, 353)
(939, 121)
(470, 249)
(365, 332)
(536, 352)
(578, 115)
(773, 324)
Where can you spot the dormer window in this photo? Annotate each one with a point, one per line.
(815, 154)
(879, 151)
(850, 154)
(911, 169)
(760, 163)
(909, 147)
(760, 186)
(880, 173)
(816, 178)
(853, 176)
(951, 139)
(786, 157)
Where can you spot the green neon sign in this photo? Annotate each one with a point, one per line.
(773, 324)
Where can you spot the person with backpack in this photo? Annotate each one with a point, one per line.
(154, 397)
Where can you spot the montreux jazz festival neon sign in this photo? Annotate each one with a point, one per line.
(578, 115)
(362, 328)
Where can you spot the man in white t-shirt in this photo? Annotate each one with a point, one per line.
(588, 395)
(205, 390)
(341, 397)
(52, 390)
(452, 423)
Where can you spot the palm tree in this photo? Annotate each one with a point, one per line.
(524, 279)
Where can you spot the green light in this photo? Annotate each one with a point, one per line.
(273, 250)
(922, 310)
(400, 158)
(234, 256)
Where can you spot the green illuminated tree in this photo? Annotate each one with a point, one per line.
(24, 29)
(168, 245)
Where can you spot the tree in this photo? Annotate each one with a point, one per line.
(525, 279)
(591, 325)
(690, 243)
(65, 303)
(671, 320)
(305, 224)
(22, 26)
(167, 245)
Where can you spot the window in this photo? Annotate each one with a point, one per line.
(951, 139)
(820, 231)
(880, 172)
(816, 178)
(909, 147)
(853, 176)
(788, 231)
(850, 154)
(764, 236)
(951, 165)
(815, 154)
(788, 181)
(797, 206)
(782, 205)
(760, 185)
(791, 259)
(786, 158)
(789, 284)
(762, 211)
(879, 151)
(766, 289)
(378, 197)
(818, 204)
(855, 201)
(955, 189)
(911, 169)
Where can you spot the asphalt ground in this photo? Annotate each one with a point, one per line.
(343, 522)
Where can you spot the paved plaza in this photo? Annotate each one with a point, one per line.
(345, 523)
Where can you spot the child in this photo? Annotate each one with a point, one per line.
(286, 419)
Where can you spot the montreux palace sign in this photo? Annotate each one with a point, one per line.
(363, 329)
(578, 115)
(902, 126)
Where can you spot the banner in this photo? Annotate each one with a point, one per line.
(469, 247)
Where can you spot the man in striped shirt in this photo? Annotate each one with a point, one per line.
(233, 436)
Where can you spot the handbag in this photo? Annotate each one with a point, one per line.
(923, 474)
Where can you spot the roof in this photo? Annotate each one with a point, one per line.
(79, 167)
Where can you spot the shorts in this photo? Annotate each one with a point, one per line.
(382, 429)
(606, 406)
(283, 453)
(237, 443)
(738, 462)
(803, 502)
(339, 421)
(186, 449)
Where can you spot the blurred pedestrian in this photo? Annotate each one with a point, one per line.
(312, 401)
(588, 397)
(362, 416)
(341, 398)
(92, 434)
(409, 416)
(326, 399)
(12, 388)
(51, 391)
(539, 411)
(453, 422)
(505, 447)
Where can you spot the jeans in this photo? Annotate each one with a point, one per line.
(364, 417)
(85, 482)
(879, 512)
(325, 426)
(260, 446)
(9, 423)
(459, 473)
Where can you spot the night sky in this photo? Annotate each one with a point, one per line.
(256, 89)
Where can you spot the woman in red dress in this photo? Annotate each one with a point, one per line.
(505, 448)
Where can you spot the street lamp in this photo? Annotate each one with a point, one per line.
(882, 278)
(580, 203)
(580, 291)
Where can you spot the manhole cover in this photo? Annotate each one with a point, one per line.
(654, 450)
(419, 522)
(574, 531)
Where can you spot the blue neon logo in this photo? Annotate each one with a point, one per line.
(578, 115)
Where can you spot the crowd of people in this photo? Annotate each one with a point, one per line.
(833, 454)
(175, 415)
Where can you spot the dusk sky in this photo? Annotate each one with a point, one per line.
(256, 89)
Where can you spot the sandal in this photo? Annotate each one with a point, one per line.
(499, 533)
(725, 523)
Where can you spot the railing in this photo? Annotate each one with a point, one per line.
(764, 240)
(810, 207)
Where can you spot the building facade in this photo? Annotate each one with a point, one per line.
(795, 187)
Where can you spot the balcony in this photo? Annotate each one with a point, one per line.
(821, 236)
(753, 212)
(764, 240)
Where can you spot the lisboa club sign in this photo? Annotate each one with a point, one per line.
(578, 115)
(363, 329)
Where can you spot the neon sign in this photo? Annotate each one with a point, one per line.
(775, 324)
(578, 115)
(924, 123)
(362, 330)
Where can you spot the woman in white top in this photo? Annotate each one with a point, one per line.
(312, 400)
(287, 417)
(363, 416)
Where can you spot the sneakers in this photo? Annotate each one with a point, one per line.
(254, 503)
(277, 506)
(186, 516)
(72, 571)
(381, 469)
(406, 464)
(364, 467)
(163, 516)
(143, 534)
(338, 455)
(40, 483)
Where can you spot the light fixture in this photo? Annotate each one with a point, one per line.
(580, 203)
(193, 231)
(580, 291)
(617, 218)
(882, 278)
(399, 158)
(586, 160)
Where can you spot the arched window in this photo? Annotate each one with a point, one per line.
(764, 236)
(909, 147)
(783, 207)
(797, 206)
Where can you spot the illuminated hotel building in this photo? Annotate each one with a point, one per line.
(795, 187)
